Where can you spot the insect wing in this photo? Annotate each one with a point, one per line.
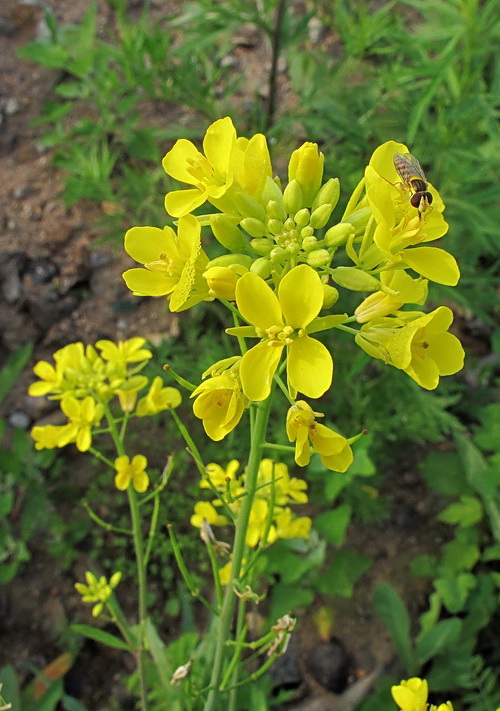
(408, 168)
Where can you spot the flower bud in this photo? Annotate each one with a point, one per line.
(330, 296)
(307, 232)
(359, 219)
(318, 258)
(355, 279)
(338, 234)
(228, 260)
(275, 227)
(309, 243)
(275, 210)
(262, 246)
(277, 254)
(293, 200)
(227, 233)
(262, 267)
(306, 167)
(320, 216)
(301, 217)
(221, 282)
(271, 191)
(249, 207)
(328, 194)
(254, 227)
(293, 247)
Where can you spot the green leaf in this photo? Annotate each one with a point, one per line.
(69, 703)
(454, 590)
(288, 598)
(49, 700)
(443, 636)
(424, 566)
(10, 687)
(157, 649)
(332, 525)
(464, 513)
(444, 473)
(12, 369)
(459, 555)
(100, 636)
(48, 55)
(392, 611)
(346, 568)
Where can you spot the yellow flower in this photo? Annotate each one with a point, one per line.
(301, 427)
(408, 291)
(289, 527)
(158, 399)
(219, 476)
(283, 321)
(416, 343)
(48, 436)
(211, 174)
(97, 590)
(83, 415)
(173, 264)
(124, 352)
(399, 224)
(219, 404)
(411, 695)
(259, 523)
(205, 510)
(286, 489)
(222, 282)
(131, 471)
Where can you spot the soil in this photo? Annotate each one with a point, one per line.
(57, 286)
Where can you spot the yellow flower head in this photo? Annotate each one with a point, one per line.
(173, 264)
(411, 695)
(48, 436)
(401, 289)
(131, 471)
(158, 399)
(302, 428)
(286, 489)
(400, 226)
(219, 404)
(416, 343)
(83, 415)
(220, 477)
(204, 510)
(210, 174)
(290, 527)
(283, 320)
(97, 590)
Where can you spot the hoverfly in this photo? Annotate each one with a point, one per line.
(413, 178)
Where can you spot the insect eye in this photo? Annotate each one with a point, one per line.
(416, 198)
(428, 197)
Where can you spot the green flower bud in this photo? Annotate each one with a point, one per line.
(330, 296)
(262, 246)
(289, 225)
(293, 247)
(306, 232)
(254, 227)
(320, 216)
(293, 200)
(228, 260)
(277, 254)
(338, 234)
(271, 191)
(275, 227)
(309, 243)
(227, 233)
(301, 217)
(275, 210)
(319, 258)
(249, 207)
(328, 194)
(262, 267)
(355, 279)
(359, 219)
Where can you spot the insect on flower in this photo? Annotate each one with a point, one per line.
(413, 179)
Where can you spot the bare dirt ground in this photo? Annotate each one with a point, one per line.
(56, 287)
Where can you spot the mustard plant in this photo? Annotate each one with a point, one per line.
(287, 262)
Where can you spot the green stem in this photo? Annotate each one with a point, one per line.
(226, 616)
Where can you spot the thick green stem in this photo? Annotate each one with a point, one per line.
(227, 612)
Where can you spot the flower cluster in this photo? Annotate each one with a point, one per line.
(271, 517)
(97, 590)
(85, 378)
(282, 272)
(411, 695)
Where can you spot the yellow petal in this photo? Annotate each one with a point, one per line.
(218, 144)
(146, 283)
(309, 367)
(433, 263)
(447, 352)
(179, 203)
(257, 369)
(179, 159)
(146, 244)
(257, 302)
(382, 160)
(300, 294)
